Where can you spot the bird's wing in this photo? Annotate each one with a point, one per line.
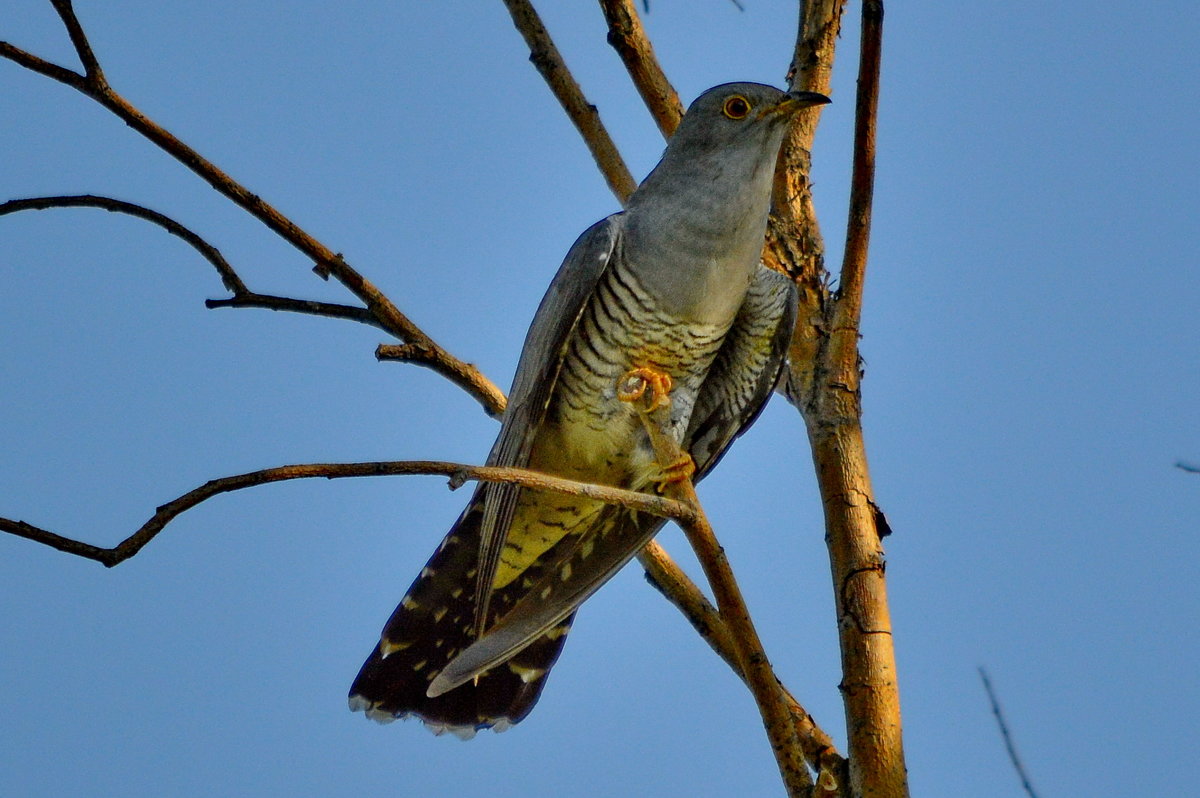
(746, 369)
(541, 358)
(738, 384)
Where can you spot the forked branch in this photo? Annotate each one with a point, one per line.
(93, 84)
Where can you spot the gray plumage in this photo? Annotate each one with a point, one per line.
(674, 284)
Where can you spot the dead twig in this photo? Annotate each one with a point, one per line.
(747, 647)
(229, 277)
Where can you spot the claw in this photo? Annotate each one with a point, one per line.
(679, 471)
(635, 382)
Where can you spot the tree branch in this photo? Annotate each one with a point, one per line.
(544, 55)
(229, 277)
(79, 40)
(42, 67)
(310, 307)
(848, 310)
(328, 262)
(457, 472)
(628, 38)
(830, 401)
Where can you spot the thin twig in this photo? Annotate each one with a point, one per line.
(1188, 467)
(310, 307)
(544, 55)
(41, 66)
(848, 310)
(628, 38)
(1008, 741)
(229, 277)
(79, 40)
(457, 472)
(470, 379)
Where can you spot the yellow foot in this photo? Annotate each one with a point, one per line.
(634, 384)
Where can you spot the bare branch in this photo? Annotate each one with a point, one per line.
(210, 253)
(457, 472)
(83, 48)
(794, 243)
(470, 379)
(328, 262)
(827, 386)
(628, 38)
(544, 55)
(311, 307)
(848, 310)
(1188, 467)
(1008, 741)
(42, 67)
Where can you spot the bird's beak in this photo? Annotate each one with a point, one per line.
(793, 102)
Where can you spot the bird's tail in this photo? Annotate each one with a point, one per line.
(433, 623)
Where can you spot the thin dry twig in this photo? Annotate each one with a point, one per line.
(457, 472)
(848, 310)
(1009, 745)
(628, 38)
(329, 263)
(242, 297)
(309, 307)
(544, 55)
(229, 277)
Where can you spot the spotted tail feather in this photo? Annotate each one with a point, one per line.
(433, 623)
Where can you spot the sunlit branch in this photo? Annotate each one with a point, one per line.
(629, 39)
(545, 57)
(457, 472)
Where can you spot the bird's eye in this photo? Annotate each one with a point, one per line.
(736, 107)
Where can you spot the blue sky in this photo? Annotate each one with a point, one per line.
(1032, 374)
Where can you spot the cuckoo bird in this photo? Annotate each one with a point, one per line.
(670, 291)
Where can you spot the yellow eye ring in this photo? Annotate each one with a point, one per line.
(736, 107)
